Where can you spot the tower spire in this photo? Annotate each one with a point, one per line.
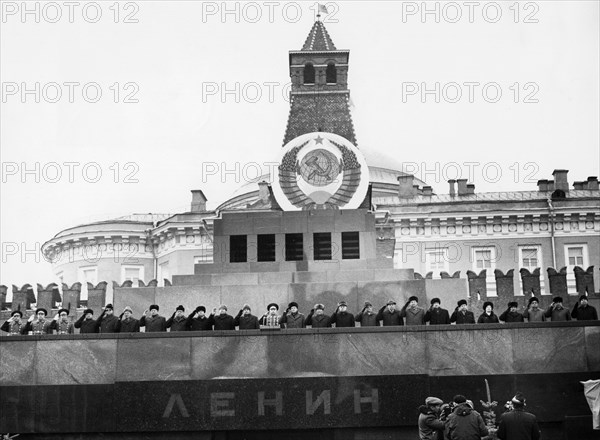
(319, 97)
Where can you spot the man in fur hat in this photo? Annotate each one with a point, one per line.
(198, 321)
(178, 321)
(108, 322)
(245, 320)
(341, 317)
(461, 314)
(511, 314)
(533, 312)
(558, 312)
(367, 317)
(488, 316)
(317, 317)
(582, 311)
(222, 320)
(389, 315)
(154, 322)
(518, 424)
(15, 324)
(127, 323)
(411, 311)
(86, 323)
(292, 318)
(436, 315)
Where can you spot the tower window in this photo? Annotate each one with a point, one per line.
(309, 73)
(238, 250)
(331, 74)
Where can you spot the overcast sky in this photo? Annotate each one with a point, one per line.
(174, 128)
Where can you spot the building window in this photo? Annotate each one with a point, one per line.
(575, 255)
(88, 274)
(350, 246)
(309, 73)
(133, 274)
(294, 247)
(238, 248)
(436, 261)
(530, 258)
(163, 273)
(266, 247)
(322, 245)
(485, 258)
(331, 74)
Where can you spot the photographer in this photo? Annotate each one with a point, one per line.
(430, 425)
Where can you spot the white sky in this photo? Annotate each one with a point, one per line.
(178, 49)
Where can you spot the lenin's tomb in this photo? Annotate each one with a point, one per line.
(328, 227)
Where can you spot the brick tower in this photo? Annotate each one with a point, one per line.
(319, 99)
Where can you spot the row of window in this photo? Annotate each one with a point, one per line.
(529, 257)
(294, 247)
(330, 74)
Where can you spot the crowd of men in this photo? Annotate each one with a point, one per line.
(388, 315)
(459, 421)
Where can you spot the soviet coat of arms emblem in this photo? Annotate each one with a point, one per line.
(321, 171)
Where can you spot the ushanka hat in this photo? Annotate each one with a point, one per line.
(272, 305)
(127, 309)
(532, 299)
(487, 303)
(154, 306)
(413, 298)
(435, 300)
(557, 299)
(461, 302)
(319, 307)
(292, 304)
(179, 307)
(513, 304)
(63, 310)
